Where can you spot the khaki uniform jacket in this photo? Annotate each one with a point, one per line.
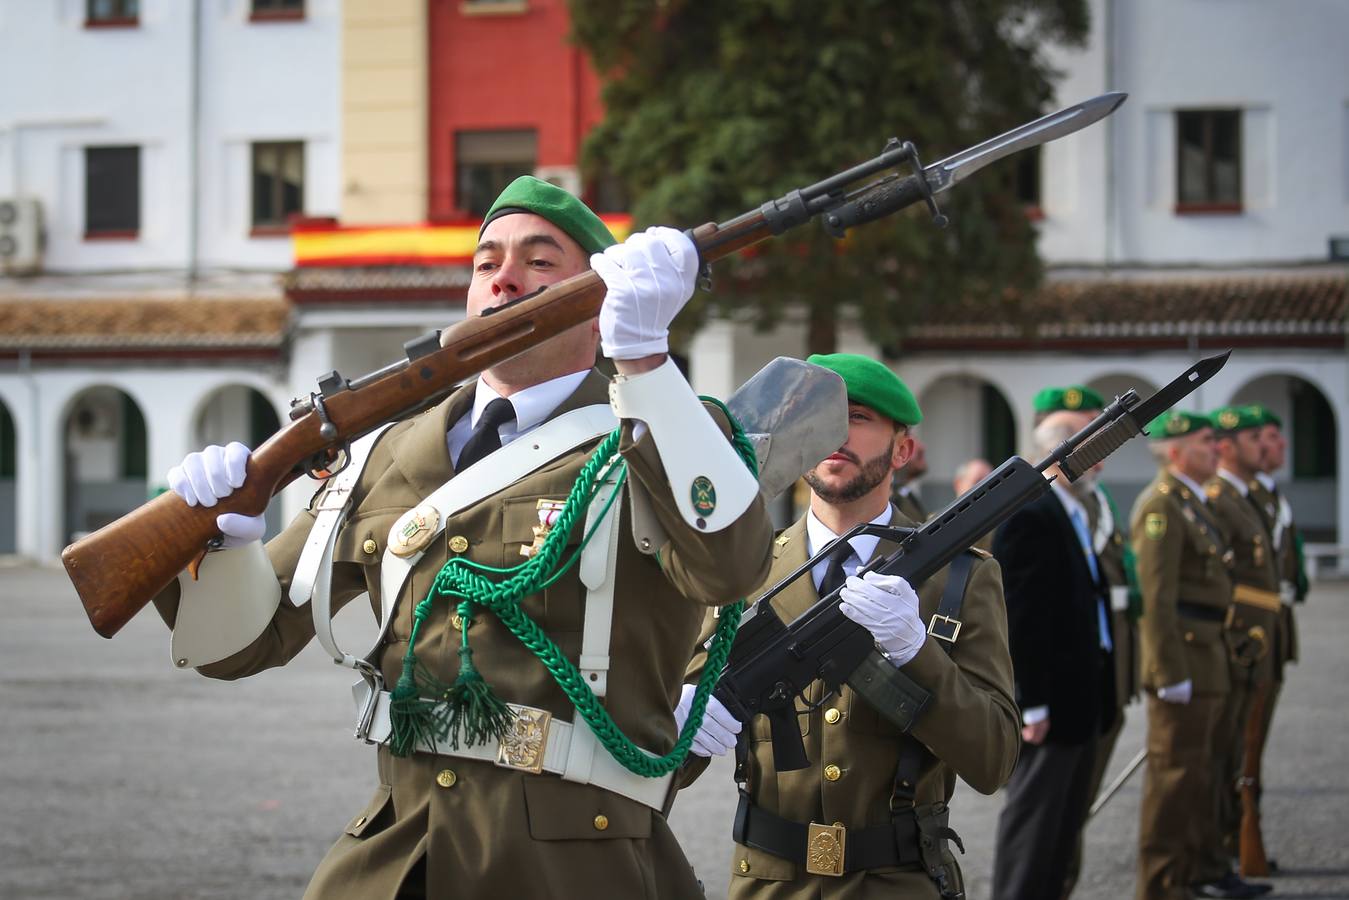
(910, 504)
(1285, 554)
(1254, 565)
(492, 831)
(1181, 555)
(971, 727)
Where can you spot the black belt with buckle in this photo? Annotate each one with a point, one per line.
(1203, 613)
(827, 849)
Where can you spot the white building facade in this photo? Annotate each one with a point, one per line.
(159, 148)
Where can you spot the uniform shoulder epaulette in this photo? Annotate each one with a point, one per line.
(1214, 490)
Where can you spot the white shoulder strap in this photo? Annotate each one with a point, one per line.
(1105, 523)
(314, 569)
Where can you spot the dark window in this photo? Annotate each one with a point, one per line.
(277, 9)
(112, 191)
(1313, 433)
(1208, 160)
(487, 161)
(1026, 181)
(112, 12)
(134, 445)
(262, 420)
(278, 183)
(999, 426)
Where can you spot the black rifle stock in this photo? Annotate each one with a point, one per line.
(772, 662)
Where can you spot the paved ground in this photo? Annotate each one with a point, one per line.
(123, 777)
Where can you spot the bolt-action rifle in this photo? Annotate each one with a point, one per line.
(119, 568)
(772, 663)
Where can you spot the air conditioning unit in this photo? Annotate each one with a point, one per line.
(21, 235)
(566, 177)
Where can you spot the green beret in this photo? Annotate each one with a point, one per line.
(1176, 423)
(1071, 398)
(1267, 416)
(533, 195)
(872, 384)
(1227, 419)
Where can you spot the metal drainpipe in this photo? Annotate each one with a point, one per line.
(193, 143)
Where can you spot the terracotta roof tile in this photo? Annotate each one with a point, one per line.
(220, 323)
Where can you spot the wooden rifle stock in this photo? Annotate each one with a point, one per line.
(1253, 861)
(118, 569)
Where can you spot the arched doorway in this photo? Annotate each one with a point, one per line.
(1309, 476)
(105, 459)
(238, 413)
(964, 417)
(9, 457)
(1132, 467)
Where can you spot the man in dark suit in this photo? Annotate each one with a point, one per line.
(1059, 632)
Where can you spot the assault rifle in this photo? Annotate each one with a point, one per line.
(772, 663)
(119, 568)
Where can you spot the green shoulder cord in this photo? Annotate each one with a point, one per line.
(424, 710)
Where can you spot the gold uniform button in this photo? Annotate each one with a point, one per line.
(831, 715)
(744, 866)
(457, 622)
(832, 772)
(1189, 637)
(601, 822)
(369, 547)
(458, 543)
(446, 778)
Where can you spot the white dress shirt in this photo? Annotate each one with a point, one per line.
(863, 546)
(532, 405)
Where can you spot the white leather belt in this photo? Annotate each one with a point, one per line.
(536, 730)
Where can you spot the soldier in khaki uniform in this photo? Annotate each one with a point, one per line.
(904, 493)
(1187, 590)
(1278, 516)
(881, 785)
(468, 818)
(1253, 627)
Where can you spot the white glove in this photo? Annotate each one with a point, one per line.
(719, 728)
(886, 606)
(1176, 693)
(206, 477)
(648, 279)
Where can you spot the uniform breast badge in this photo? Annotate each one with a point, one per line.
(549, 510)
(824, 849)
(413, 531)
(1154, 526)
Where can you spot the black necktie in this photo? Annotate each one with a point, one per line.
(833, 576)
(485, 437)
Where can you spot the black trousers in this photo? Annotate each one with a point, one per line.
(1046, 805)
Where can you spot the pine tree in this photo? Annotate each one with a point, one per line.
(713, 108)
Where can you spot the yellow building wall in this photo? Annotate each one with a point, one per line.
(384, 112)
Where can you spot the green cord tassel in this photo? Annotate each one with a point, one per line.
(473, 711)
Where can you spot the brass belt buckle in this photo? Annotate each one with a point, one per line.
(524, 745)
(944, 627)
(824, 848)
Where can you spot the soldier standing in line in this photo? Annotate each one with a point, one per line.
(1186, 590)
(874, 792)
(1278, 516)
(1251, 632)
(1116, 558)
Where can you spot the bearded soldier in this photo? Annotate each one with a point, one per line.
(868, 817)
(491, 676)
